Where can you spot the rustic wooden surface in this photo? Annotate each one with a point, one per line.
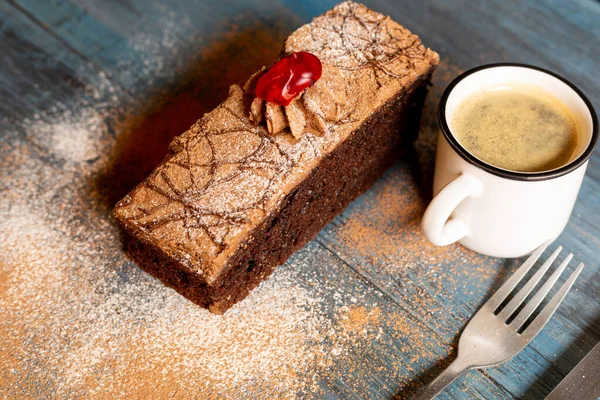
(52, 52)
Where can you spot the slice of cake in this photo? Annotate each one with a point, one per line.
(258, 177)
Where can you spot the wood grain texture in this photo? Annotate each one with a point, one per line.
(157, 66)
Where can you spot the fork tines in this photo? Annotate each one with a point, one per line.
(522, 317)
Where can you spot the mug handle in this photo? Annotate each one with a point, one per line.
(438, 226)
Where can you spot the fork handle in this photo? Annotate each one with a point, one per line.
(449, 375)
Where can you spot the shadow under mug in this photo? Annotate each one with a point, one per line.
(494, 211)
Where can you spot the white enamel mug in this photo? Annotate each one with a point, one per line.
(494, 211)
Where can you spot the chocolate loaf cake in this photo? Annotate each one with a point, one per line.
(253, 181)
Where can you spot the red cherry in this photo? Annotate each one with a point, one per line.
(288, 77)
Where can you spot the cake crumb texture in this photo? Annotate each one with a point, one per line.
(79, 319)
(225, 175)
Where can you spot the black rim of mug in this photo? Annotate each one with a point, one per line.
(516, 175)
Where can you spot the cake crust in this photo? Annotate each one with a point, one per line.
(226, 178)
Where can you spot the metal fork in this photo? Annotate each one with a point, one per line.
(488, 339)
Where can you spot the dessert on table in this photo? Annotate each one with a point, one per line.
(259, 176)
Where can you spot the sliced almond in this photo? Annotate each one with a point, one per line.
(316, 121)
(257, 111)
(327, 95)
(296, 116)
(276, 120)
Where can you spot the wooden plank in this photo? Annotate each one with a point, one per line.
(443, 293)
(373, 255)
(150, 47)
(37, 70)
(467, 43)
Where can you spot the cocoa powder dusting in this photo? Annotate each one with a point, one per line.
(357, 319)
(225, 175)
(81, 320)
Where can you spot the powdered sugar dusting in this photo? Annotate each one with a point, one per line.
(70, 137)
(265, 339)
(81, 314)
(185, 196)
(80, 320)
(86, 322)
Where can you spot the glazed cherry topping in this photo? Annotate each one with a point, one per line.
(288, 77)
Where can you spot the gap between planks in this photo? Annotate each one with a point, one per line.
(54, 35)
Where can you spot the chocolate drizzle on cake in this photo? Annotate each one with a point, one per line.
(352, 37)
(349, 38)
(212, 179)
(230, 170)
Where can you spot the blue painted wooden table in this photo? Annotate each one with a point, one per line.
(91, 93)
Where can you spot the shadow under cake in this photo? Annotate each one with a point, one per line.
(234, 199)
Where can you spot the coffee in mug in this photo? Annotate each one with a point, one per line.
(517, 128)
(503, 187)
